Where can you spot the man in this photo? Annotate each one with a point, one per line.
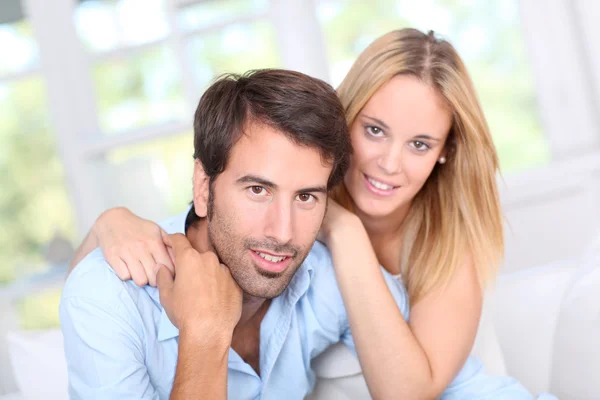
(254, 299)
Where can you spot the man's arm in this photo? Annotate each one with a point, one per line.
(205, 304)
(105, 357)
(201, 367)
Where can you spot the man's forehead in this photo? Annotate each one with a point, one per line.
(270, 154)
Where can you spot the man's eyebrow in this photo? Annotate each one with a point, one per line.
(270, 185)
(377, 121)
(315, 189)
(256, 179)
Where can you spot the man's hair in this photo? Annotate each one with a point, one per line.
(306, 110)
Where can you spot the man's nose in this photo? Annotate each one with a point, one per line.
(279, 221)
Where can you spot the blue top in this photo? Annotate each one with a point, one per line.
(120, 344)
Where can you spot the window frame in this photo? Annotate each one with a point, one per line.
(557, 36)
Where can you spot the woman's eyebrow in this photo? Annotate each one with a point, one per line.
(377, 121)
(427, 137)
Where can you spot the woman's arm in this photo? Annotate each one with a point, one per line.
(130, 244)
(415, 360)
(89, 243)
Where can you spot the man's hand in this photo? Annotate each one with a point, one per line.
(205, 303)
(202, 298)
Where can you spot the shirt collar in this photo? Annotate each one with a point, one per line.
(297, 288)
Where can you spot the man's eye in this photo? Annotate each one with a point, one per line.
(258, 190)
(306, 198)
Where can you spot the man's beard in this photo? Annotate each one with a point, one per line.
(234, 251)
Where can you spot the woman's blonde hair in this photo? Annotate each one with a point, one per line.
(457, 212)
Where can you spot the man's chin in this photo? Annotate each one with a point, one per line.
(265, 287)
(262, 293)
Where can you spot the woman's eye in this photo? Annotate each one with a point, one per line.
(257, 190)
(374, 131)
(421, 146)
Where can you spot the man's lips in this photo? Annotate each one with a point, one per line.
(272, 253)
(271, 262)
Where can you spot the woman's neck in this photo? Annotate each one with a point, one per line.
(385, 235)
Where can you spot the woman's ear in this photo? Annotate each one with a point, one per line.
(201, 189)
(449, 148)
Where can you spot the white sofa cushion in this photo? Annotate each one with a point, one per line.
(576, 366)
(39, 365)
(12, 396)
(525, 316)
(339, 375)
(487, 347)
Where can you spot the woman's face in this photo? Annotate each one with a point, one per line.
(398, 137)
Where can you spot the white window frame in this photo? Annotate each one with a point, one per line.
(66, 67)
(559, 35)
(555, 32)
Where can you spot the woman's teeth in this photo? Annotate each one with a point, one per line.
(379, 185)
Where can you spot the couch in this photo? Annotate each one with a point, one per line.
(540, 325)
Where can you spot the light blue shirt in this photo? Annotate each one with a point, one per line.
(120, 344)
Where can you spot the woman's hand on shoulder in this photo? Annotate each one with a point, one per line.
(337, 219)
(132, 245)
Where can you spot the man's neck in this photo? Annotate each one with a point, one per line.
(253, 308)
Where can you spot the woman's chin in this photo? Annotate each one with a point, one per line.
(373, 209)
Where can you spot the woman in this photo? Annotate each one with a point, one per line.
(419, 198)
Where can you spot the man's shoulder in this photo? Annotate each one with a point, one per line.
(94, 279)
(91, 277)
(319, 254)
(320, 264)
(323, 277)
(323, 283)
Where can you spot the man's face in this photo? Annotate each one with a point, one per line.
(266, 209)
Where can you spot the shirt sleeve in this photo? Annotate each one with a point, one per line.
(104, 351)
(472, 382)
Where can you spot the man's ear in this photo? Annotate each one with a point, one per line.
(201, 189)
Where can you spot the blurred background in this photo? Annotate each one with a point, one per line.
(97, 99)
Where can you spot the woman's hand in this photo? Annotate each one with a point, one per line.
(337, 219)
(132, 245)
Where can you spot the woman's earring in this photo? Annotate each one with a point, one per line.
(442, 160)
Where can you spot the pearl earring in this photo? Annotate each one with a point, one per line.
(442, 160)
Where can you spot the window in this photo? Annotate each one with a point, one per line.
(145, 77)
(122, 79)
(148, 75)
(35, 208)
(169, 164)
(487, 35)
